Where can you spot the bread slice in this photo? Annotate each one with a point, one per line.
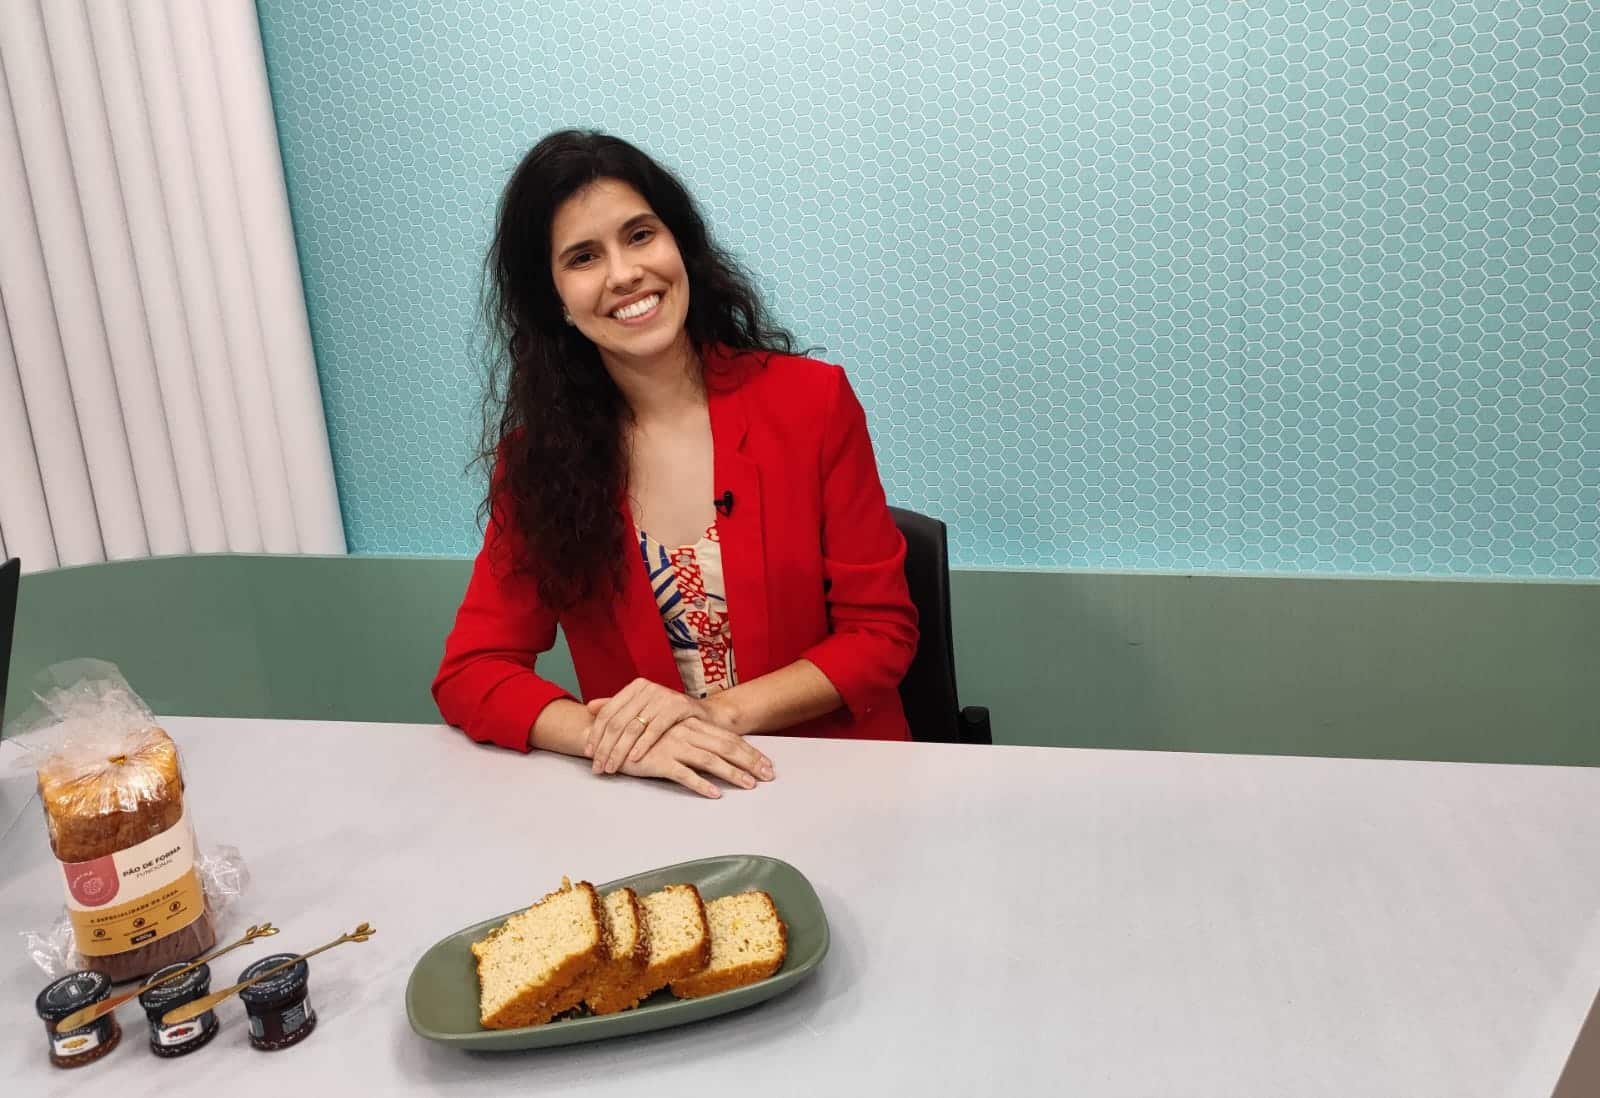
(748, 943)
(539, 962)
(629, 937)
(680, 942)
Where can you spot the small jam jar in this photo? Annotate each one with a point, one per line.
(280, 1012)
(86, 1044)
(158, 999)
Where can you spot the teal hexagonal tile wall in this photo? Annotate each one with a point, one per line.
(1272, 286)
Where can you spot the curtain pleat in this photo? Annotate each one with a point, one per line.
(230, 266)
(275, 268)
(41, 364)
(158, 389)
(202, 305)
(60, 227)
(24, 515)
(158, 275)
(127, 336)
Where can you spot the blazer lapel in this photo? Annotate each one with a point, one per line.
(740, 529)
(637, 614)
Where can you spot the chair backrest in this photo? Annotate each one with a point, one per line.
(10, 572)
(928, 691)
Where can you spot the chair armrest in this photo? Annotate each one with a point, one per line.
(975, 725)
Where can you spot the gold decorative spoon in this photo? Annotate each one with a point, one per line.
(193, 1010)
(95, 1011)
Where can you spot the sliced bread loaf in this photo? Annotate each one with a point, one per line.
(540, 962)
(680, 941)
(748, 943)
(629, 938)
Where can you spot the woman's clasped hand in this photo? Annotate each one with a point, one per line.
(650, 731)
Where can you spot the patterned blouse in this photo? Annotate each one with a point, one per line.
(693, 602)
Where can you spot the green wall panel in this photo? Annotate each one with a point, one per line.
(1465, 670)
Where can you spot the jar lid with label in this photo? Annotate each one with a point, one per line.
(74, 991)
(277, 989)
(165, 995)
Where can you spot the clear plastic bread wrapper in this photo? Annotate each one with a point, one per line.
(139, 892)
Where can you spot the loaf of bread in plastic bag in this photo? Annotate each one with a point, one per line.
(105, 791)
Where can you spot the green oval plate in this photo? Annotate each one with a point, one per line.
(442, 995)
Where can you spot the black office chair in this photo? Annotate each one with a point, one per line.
(928, 691)
(10, 571)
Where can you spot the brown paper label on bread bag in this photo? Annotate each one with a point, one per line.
(131, 898)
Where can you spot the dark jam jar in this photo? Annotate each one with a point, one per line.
(86, 1044)
(159, 998)
(279, 1009)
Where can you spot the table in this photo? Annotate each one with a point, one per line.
(1005, 920)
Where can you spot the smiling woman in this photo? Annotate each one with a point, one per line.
(630, 248)
(695, 505)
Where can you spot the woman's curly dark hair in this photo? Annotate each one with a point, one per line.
(553, 418)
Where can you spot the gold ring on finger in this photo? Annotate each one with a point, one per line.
(642, 722)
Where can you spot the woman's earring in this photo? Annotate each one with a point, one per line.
(566, 316)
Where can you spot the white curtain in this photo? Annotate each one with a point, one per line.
(157, 388)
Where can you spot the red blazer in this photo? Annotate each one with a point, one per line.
(814, 567)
